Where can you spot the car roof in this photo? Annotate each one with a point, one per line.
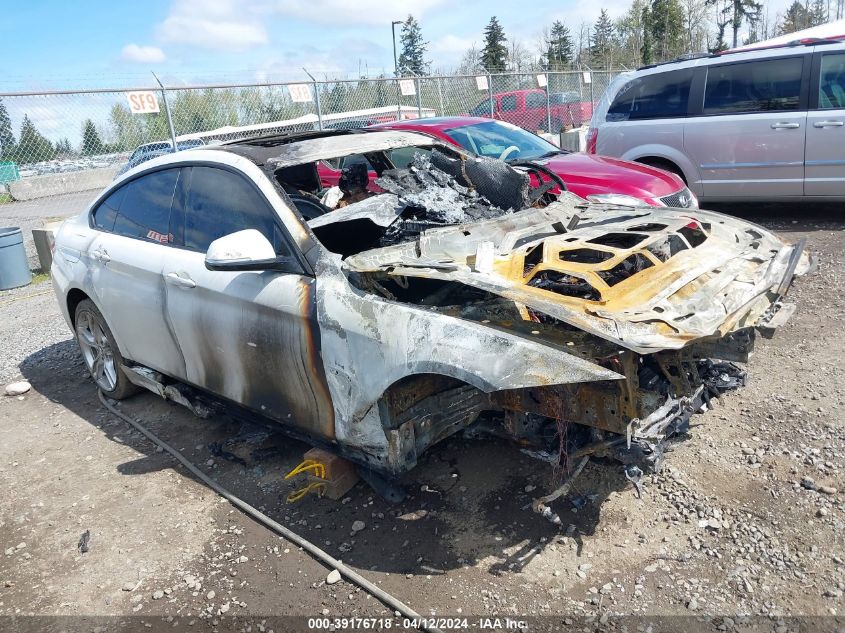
(280, 150)
(739, 54)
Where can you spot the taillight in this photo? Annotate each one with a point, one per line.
(592, 140)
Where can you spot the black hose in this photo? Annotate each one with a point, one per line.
(293, 537)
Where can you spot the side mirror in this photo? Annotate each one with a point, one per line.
(244, 250)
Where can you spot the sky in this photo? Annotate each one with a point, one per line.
(96, 43)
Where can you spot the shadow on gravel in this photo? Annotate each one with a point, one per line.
(785, 216)
(467, 500)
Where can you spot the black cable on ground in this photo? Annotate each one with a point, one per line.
(324, 557)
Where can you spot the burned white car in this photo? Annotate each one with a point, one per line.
(452, 294)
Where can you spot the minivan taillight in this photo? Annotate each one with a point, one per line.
(592, 140)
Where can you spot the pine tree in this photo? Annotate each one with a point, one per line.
(647, 50)
(494, 55)
(818, 13)
(666, 29)
(63, 148)
(795, 19)
(7, 137)
(559, 48)
(91, 141)
(601, 53)
(412, 59)
(33, 146)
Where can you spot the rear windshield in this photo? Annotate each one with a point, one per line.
(655, 96)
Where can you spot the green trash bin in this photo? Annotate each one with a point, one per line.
(14, 268)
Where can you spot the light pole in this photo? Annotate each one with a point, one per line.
(395, 60)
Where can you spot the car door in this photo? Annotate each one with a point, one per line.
(125, 263)
(249, 336)
(748, 138)
(824, 166)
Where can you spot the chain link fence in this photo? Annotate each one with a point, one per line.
(73, 141)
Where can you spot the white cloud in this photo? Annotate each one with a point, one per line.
(214, 24)
(344, 12)
(142, 54)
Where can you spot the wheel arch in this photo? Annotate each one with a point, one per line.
(683, 166)
(74, 297)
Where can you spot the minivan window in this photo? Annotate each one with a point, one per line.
(832, 81)
(144, 212)
(220, 202)
(656, 96)
(758, 86)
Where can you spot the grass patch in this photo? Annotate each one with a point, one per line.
(6, 198)
(39, 277)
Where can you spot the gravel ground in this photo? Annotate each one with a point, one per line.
(743, 530)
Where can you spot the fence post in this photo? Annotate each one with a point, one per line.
(419, 98)
(316, 99)
(167, 112)
(319, 108)
(490, 94)
(548, 107)
(440, 96)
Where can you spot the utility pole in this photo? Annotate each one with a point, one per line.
(395, 59)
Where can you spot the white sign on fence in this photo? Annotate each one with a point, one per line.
(407, 87)
(588, 77)
(481, 82)
(142, 102)
(542, 81)
(299, 93)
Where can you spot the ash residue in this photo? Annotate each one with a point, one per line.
(433, 196)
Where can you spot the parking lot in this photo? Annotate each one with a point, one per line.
(726, 533)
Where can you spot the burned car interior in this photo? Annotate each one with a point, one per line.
(609, 326)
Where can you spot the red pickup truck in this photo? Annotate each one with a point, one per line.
(527, 109)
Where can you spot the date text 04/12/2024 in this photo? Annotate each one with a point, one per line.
(442, 623)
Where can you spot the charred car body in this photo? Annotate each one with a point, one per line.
(457, 299)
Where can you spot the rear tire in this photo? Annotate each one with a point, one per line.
(100, 352)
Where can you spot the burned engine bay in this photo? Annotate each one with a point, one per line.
(664, 301)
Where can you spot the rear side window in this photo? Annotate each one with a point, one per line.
(508, 103)
(656, 96)
(535, 100)
(106, 213)
(140, 209)
(220, 202)
(759, 86)
(832, 81)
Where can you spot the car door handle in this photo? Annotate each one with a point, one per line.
(785, 126)
(175, 279)
(828, 123)
(101, 256)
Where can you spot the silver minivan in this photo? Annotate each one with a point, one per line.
(765, 124)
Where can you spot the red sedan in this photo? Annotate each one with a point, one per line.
(596, 178)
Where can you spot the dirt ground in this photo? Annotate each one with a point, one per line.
(726, 537)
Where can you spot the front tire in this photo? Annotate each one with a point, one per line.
(100, 352)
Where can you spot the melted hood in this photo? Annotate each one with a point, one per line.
(646, 278)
